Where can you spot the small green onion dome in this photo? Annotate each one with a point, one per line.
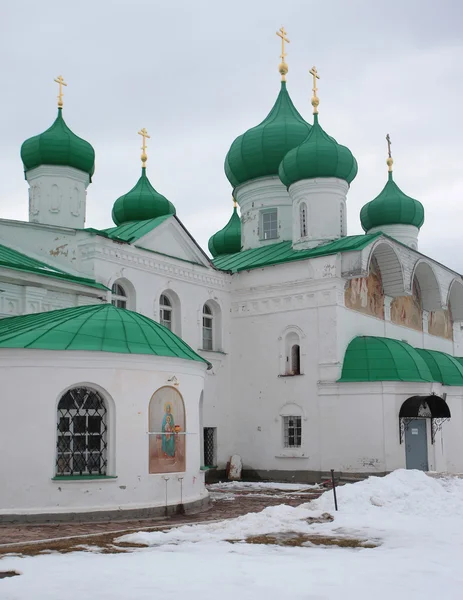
(392, 207)
(228, 239)
(319, 155)
(141, 203)
(58, 146)
(259, 151)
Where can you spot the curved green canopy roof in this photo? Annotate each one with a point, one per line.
(99, 328)
(228, 239)
(392, 207)
(443, 367)
(383, 359)
(141, 203)
(59, 146)
(259, 151)
(319, 155)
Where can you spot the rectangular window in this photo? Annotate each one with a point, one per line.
(210, 445)
(270, 224)
(166, 318)
(207, 333)
(292, 431)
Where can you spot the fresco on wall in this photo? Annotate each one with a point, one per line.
(407, 310)
(365, 294)
(166, 421)
(441, 323)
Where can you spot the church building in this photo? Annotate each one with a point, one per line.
(133, 363)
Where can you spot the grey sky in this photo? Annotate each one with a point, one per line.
(197, 74)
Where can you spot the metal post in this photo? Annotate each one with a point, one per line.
(166, 512)
(180, 507)
(333, 482)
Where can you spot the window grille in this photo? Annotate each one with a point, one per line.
(165, 311)
(292, 427)
(82, 433)
(209, 446)
(296, 360)
(207, 327)
(270, 224)
(118, 296)
(303, 217)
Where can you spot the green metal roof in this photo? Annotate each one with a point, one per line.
(228, 239)
(12, 259)
(259, 151)
(392, 207)
(443, 367)
(319, 155)
(383, 359)
(141, 203)
(283, 252)
(99, 328)
(131, 231)
(58, 145)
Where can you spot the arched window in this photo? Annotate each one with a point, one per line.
(303, 219)
(165, 311)
(118, 296)
(82, 433)
(208, 320)
(296, 359)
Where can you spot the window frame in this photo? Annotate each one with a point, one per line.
(266, 213)
(166, 309)
(292, 429)
(207, 313)
(118, 299)
(303, 220)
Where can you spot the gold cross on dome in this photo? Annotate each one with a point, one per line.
(315, 101)
(145, 136)
(60, 81)
(283, 68)
(389, 160)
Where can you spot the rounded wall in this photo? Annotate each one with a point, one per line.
(254, 198)
(33, 381)
(325, 209)
(406, 234)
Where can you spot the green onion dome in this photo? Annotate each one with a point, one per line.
(319, 155)
(392, 207)
(259, 151)
(58, 146)
(141, 203)
(228, 239)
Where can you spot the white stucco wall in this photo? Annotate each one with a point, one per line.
(33, 382)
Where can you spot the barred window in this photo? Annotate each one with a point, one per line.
(303, 218)
(208, 319)
(165, 311)
(292, 431)
(118, 296)
(82, 433)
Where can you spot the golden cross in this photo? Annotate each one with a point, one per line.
(283, 68)
(389, 143)
(144, 135)
(315, 100)
(60, 81)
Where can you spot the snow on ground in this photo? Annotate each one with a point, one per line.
(416, 519)
(238, 486)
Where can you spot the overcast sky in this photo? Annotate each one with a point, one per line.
(198, 73)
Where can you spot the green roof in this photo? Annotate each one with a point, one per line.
(12, 259)
(283, 252)
(319, 155)
(58, 145)
(443, 367)
(131, 231)
(228, 239)
(392, 207)
(259, 151)
(99, 328)
(141, 203)
(383, 359)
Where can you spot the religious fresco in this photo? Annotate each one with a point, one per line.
(441, 323)
(365, 294)
(166, 423)
(407, 310)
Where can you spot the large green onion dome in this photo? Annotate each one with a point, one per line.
(228, 239)
(141, 203)
(319, 155)
(392, 207)
(259, 151)
(58, 146)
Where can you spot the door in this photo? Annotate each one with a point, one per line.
(416, 445)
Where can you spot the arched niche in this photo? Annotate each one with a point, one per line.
(455, 299)
(390, 268)
(429, 286)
